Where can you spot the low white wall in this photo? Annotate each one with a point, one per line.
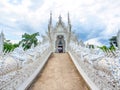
(85, 77)
(29, 81)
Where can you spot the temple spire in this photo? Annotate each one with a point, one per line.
(69, 23)
(60, 18)
(68, 18)
(50, 26)
(50, 22)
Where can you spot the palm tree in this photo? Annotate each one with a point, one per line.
(28, 40)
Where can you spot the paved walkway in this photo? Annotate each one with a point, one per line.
(59, 74)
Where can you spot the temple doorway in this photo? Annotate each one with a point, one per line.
(60, 44)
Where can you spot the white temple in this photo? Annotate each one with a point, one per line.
(60, 35)
(100, 70)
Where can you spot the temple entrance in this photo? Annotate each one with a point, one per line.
(60, 44)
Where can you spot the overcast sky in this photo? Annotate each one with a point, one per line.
(94, 21)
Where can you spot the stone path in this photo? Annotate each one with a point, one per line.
(59, 74)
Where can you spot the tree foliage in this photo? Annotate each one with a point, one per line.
(113, 40)
(8, 46)
(104, 48)
(28, 40)
(91, 46)
(112, 48)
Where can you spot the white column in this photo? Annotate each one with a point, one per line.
(118, 39)
(1, 42)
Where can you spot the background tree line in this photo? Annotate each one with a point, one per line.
(27, 41)
(31, 39)
(111, 48)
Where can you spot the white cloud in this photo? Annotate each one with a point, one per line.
(91, 15)
(94, 41)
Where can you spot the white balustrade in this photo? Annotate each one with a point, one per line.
(103, 70)
(17, 67)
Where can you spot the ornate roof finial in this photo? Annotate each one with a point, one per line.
(68, 18)
(60, 18)
(2, 32)
(69, 23)
(50, 22)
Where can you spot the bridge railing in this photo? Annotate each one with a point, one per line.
(79, 66)
(22, 77)
(101, 74)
